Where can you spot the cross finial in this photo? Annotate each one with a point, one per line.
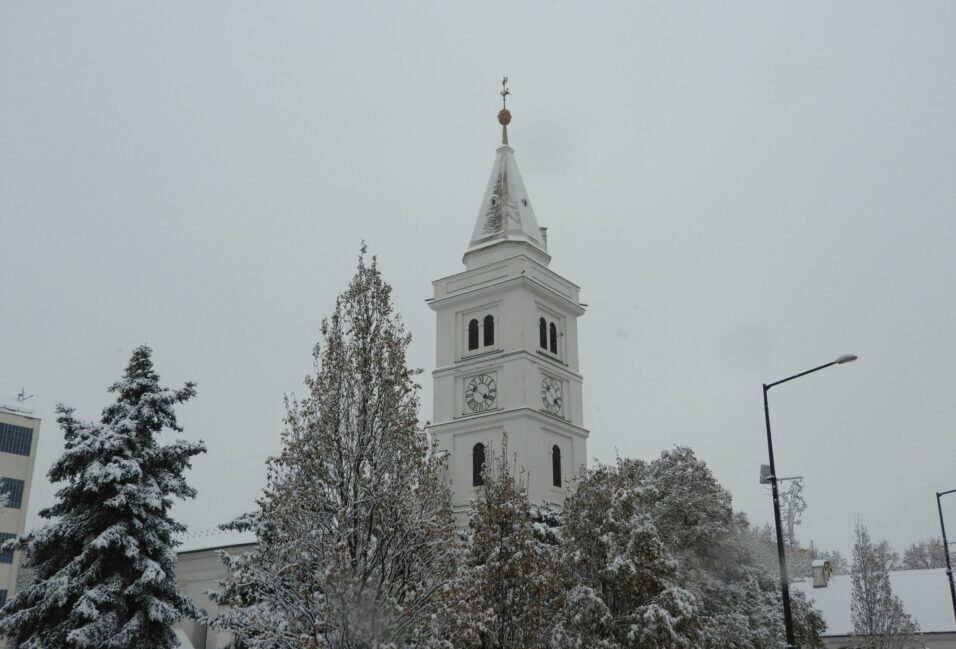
(504, 115)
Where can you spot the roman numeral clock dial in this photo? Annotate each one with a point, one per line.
(551, 395)
(481, 393)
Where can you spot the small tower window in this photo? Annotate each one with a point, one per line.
(472, 335)
(489, 330)
(554, 338)
(494, 200)
(542, 333)
(477, 465)
(556, 466)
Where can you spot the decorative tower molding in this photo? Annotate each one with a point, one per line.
(507, 352)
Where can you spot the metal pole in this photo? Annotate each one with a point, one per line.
(784, 581)
(949, 567)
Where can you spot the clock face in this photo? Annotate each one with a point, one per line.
(551, 395)
(480, 393)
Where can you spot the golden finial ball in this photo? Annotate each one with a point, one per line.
(504, 117)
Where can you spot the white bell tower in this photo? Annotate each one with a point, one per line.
(507, 349)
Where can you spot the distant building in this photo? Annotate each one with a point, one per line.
(19, 433)
(924, 593)
(199, 569)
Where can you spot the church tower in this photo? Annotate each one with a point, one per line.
(507, 349)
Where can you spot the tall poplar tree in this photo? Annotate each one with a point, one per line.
(879, 621)
(104, 565)
(355, 534)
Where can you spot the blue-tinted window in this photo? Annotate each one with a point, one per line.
(6, 557)
(13, 490)
(15, 439)
(3, 597)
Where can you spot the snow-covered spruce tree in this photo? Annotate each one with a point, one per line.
(104, 566)
(879, 621)
(506, 591)
(354, 527)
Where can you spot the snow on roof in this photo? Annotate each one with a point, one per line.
(925, 596)
(505, 212)
(212, 539)
(11, 401)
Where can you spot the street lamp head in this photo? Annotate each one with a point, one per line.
(846, 358)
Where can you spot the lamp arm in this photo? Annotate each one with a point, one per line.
(797, 376)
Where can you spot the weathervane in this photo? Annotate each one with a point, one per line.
(504, 116)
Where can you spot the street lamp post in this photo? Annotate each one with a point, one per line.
(949, 567)
(784, 580)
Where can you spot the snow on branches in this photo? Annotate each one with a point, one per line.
(355, 529)
(104, 566)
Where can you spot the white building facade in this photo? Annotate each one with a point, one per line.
(507, 351)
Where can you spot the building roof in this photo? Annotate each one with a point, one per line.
(213, 539)
(505, 213)
(925, 596)
(12, 400)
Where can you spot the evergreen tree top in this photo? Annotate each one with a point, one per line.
(105, 565)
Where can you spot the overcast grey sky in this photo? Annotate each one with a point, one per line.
(743, 191)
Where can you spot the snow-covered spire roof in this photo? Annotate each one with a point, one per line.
(505, 213)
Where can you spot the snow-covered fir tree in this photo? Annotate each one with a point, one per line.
(104, 566)
(355, 532)
(879, 621)
(506, 590)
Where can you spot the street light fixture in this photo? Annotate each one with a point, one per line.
(784, 581)
(949, 567)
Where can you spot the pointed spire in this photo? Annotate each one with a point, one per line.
(506, 213)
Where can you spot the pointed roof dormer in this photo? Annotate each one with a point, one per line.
(505, 214)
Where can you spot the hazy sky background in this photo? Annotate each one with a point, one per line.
(743, 191)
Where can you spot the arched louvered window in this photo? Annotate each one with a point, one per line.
(489, 330)
(554, 338)
(472, 335)
(477, 465)
(542, 333)
(556, 466)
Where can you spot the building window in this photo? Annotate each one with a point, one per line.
(556, 466)
(477, 465)
(3, 597)
(7, 556)
(472, 335)
(12, 490)
(542, 333)
(554, 338)
(15, 439)
(489, 330)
